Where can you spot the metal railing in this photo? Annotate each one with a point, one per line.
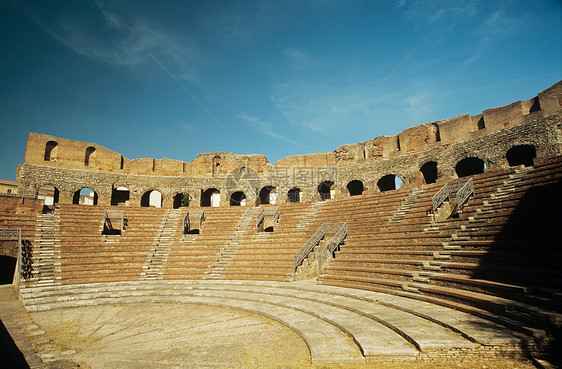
(326, 228)
(14, 234)
(118, 215)
(462, 189)
(198, 215)
(274, 212)
(331, 246)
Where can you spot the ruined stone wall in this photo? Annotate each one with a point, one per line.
(487, 136)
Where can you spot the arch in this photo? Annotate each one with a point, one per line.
(355, 187)
(48, 193)
(294, 195)
(181, 200)
(521, 155)
(90, 152)
(216, 165)
(85, 196)
(7, 269)
(120, 196)
(51, 149)
(390, 182)
(210, 197)
(152, 198)
(429, 171)
(238, 198)
(325, 190)
(469, 167)
(268, 195)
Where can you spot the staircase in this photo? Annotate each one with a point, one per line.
(310, 215)
(246, 223)
(46, 250)
(156, 262)
(406, 206)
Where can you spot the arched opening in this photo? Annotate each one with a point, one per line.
(294, 195)
(355, 187)
(120, 196)
(238, 198)
(390, 182)
(181, 200)
(85, 196)
(48, 193)
(211, 197)
(90, 152)
(469, 167)
(268, 195)
(51, 149)
(216, 165)
(7, 268)
(325, 190)
(521, 155)
(152, 198)
(429, 171)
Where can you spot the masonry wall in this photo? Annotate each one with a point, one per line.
(487, 136)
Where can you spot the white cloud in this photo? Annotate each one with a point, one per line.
(264, 127)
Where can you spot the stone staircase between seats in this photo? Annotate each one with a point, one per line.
(244, 226)
(46, 249)
(156, 262)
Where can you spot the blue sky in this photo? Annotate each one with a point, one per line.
(172, 79)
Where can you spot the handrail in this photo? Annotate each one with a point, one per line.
(109, 214)
(464, 193)
(323, 230)
(331, 246)
(196, 214)
(274, 212)
(464, 186)
(308, 247)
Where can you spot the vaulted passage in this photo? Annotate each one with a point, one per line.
(152, 198)
(469, 166)
(389, 182)
(521, 155)
(294, 195)
(429, 171)
(355, 188)
(51, 151)
(181, 200)
(120, 196)
(238, 198)
(268, 195)
(211, 197)
(325, 190)
(85, 196)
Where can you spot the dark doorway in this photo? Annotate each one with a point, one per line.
(294, 195)
(238, 198)
(355, 187)
(7, 269)
(120, 196)
(389, 182)
(181, 200)
(267, 195)
(210, 197)
(469, 166)
(324, 190)
(521, 155)
(429, 171)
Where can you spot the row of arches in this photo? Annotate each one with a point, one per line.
(211, 197)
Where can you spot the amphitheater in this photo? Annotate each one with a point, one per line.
(436, 247)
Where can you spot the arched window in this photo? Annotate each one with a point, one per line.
(238, 198)
(355, 187)
(389, 182)
(152, 198)
(325, 190)
(90, 151)
(268, 195)
(521, 155)
(429, 171)
(181, 200)
(294, 195)
(51, 151)
(120, 196)
(85, 196)
(210, 197)
(469, 166)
